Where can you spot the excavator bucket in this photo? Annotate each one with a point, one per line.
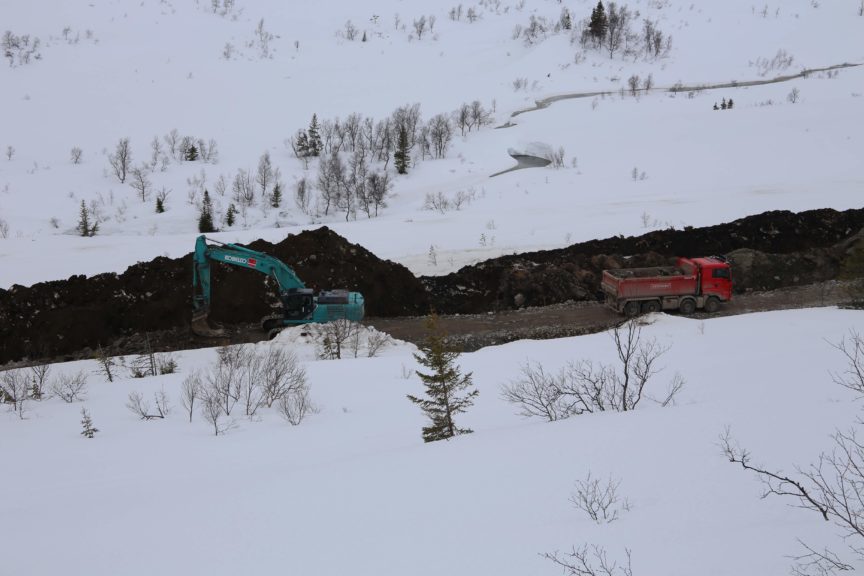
(200, 326)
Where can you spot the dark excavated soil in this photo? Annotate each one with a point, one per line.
(63, 318)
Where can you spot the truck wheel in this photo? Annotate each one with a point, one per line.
(712, 305)
(631, 308)
(688, 306)
(650, 306)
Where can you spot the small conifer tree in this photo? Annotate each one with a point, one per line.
(205, 220)
(301, 145)
(729, 104)
(85, 228)
(160, 205)
(313, 137)
(447, 389)
(230, 215)
(402, 156)
(191, 153)
(87, 423)
(276, 196)
(599, 24)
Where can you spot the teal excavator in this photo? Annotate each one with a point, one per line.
(300, 305)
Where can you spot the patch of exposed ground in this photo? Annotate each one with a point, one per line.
(770, 251)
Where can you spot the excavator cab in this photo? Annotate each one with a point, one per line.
(298, 303)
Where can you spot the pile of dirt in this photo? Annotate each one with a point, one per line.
(767, 251)
(53, 319)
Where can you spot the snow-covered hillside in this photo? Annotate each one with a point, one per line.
(140, 71)
(353, 489)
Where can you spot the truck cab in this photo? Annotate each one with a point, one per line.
(715, 276)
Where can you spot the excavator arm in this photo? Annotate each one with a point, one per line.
(300, 305)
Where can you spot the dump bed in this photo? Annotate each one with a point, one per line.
(657, 281)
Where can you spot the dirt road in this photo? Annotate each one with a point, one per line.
(474, 331)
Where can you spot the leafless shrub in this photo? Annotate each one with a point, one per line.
(599, 499)
(225, 379)
(590, 562)
(141, 407)
(282, 375)
(140, 182)
(817, 563)
(440, 134)
(376, 342)
(295, 406)
(794, 96)
(211, 410)
(436, 201)
(75, 155)
(852, 377)
(781, 61)
(350, 31)
(4, 228)
(242, 188)
(557, 158)
(251, 375)
(537, 394)
(39, 380)
(166, 363)
(633, 83)
(70, 387)
(420, 25)
(106, 363)
(585, 387)
(121, 160)
(334, 336)
(191, 390)
(520, 84)
(14, 390)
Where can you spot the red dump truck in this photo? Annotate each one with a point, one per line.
(692, 283)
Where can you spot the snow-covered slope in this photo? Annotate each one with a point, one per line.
(139, 71)
(354, 488)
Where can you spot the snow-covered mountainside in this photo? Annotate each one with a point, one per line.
(102, 104)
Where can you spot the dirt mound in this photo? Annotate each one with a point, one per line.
(52, 319)
(793, 249)
(768, 251)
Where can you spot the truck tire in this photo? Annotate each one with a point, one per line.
(650, 306)
(687, 306)
(712, 305)
(631, 308)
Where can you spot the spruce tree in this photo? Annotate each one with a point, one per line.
(84, 227)
(160, 205)
(447, 389)
(230, 215)
(191, 153)
(566, 21)
(87, 423)
(314, 137)
(301, 145)
(276, 195)
(402, 158)
(205, 220)
(598, 24)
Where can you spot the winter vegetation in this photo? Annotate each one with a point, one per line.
(609, 454)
